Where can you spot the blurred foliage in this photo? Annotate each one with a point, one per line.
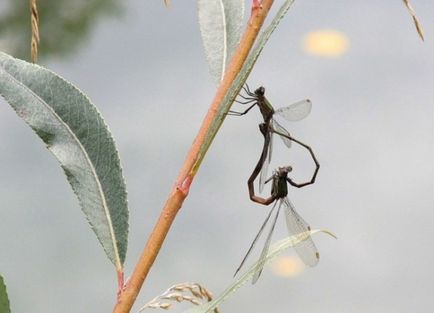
(64, 25)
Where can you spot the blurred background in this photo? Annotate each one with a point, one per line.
(370, 79)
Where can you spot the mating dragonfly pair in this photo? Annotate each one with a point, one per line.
(306, 249)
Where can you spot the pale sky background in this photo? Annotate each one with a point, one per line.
(371, 126)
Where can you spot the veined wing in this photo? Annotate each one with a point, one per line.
(306, 249)
(296, 111)
(264, 252)
(280, 129)
(256, 239)
(270, 150)
(264, 170)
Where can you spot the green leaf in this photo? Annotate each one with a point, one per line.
(220, 24)
(74, 131)
(4, 300)
(275, 250)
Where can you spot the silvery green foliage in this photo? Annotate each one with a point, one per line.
(4, 300)
(74, 131)
(220, 24)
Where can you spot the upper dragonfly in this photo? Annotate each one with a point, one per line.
(294, 112)
(296, 225)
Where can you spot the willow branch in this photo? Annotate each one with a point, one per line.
(191, 163)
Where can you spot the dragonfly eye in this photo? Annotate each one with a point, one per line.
(285, 170)
(260, 91)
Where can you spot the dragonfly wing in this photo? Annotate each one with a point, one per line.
(262, 258)
(264, 170)
(296, 111)
(280, 129)
(306, 249)
(270, 147)
(255, 240)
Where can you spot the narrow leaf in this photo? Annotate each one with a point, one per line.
(275, 250)
(415, 19)
(76, 134)
(220, 24)
(234, 12)
(4, 300)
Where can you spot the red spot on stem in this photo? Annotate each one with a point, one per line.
(256, 4)
(121, 283)
(185, 185)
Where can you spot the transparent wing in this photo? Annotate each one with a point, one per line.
(306, 249)
(296, 111)
(264, 170)
(264, 252)
(279, 128)
(255, 240)
(270, 149)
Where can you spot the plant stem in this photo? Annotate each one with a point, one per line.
(34, 21)
(191, 164)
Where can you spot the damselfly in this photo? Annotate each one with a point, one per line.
(306, 249)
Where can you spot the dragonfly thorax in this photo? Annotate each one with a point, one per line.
(279, 188)
(264, 105)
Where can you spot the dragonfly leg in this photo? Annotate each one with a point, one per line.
(248, 91)
(235, 113)
(269, 179)
(245, 102)
(247, 98)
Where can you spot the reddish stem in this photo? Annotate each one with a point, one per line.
(190, 166)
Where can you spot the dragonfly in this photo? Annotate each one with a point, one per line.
(294, 112)
(306, 249)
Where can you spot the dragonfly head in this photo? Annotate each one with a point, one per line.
(284, 170)
(260, 91)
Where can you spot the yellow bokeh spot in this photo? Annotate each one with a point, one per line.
(326, 43)
(287, 266)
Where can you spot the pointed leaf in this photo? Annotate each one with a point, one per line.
(220, 24)
(76, 134)
(234, 12)
(415, 19)
(4, 300)
(275, 250)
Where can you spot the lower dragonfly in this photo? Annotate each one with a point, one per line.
(306, 249)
